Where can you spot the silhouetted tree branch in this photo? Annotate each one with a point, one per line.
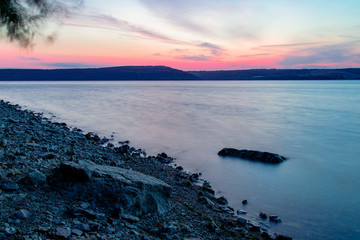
(22, 19)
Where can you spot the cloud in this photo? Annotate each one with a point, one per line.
(272, 47)
(195, 58)
(179, 12)
(254, 55)
(70, 65)
(29, 58)
(104, 21)
(214, 49)
(335, 55)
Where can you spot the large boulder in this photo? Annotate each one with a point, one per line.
(118, 189)
(266, 157)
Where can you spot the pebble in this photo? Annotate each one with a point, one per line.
(10, 230)
(8, 186)
(61, 233)
(83, 227)
(22, 214)
(77, 232)
(241, 212)
(130, 218)
(274, 218)
(263, 215)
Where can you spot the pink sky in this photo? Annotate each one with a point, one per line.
(201, 35)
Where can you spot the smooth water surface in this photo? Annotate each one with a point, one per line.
(316, 124)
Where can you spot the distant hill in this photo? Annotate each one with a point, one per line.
(280, 74)
(167, 73)
(110, 73)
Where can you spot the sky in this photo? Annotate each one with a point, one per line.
(196, 35)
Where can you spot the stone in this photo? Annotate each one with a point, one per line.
(266, 236)
(274, 218)
(22, 214)
(129, 218)
(85, 205)
(61, 233)
(222, 201)
(2, 172)
(77, 232)
(265, 157)
(83, 227)
(113, 187)
(244, 202)
(8, 186)
(241, 220)
(164, 158)
(282, 237)
(47, 156)
(35, 178)
(239, 212)
(10, 230)
(263, 215)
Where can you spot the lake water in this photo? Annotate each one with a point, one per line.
(316, 124)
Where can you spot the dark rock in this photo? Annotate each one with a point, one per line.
(113, 187)
(206, 188)
(241, 221)
(129, 218)
(47, 156)
(266, 236)
(77, 232)
(282, 237)
(163, 158)
(239, 212)
(253, 227)
(83, 227)
(61, 233)
(206, 201)
(22, 214)
(274, 218)
(244, 202)
(263, 215)
(92, 136)
(252, 155)
(34, 178)
(8, 186)
(222, 201)
(122, 149)
(10, 230)
(194, 177)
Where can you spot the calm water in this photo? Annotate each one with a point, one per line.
(316, 124)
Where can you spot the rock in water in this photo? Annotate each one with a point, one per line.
(116, 188)
(265, 157)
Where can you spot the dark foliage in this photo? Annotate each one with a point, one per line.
(21, 20)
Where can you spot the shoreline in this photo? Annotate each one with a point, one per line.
(33, 147)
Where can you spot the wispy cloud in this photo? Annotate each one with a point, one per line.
(254, 55)
(179, 12)
(70, 65)
(29, 58)
(214, 49)
(104, 21)
(336, 55)
(195, 58)
(284, 46)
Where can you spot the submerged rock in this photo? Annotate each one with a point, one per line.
(265, 157)
(116, 188)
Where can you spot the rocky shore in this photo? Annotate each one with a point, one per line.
(57, 182)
